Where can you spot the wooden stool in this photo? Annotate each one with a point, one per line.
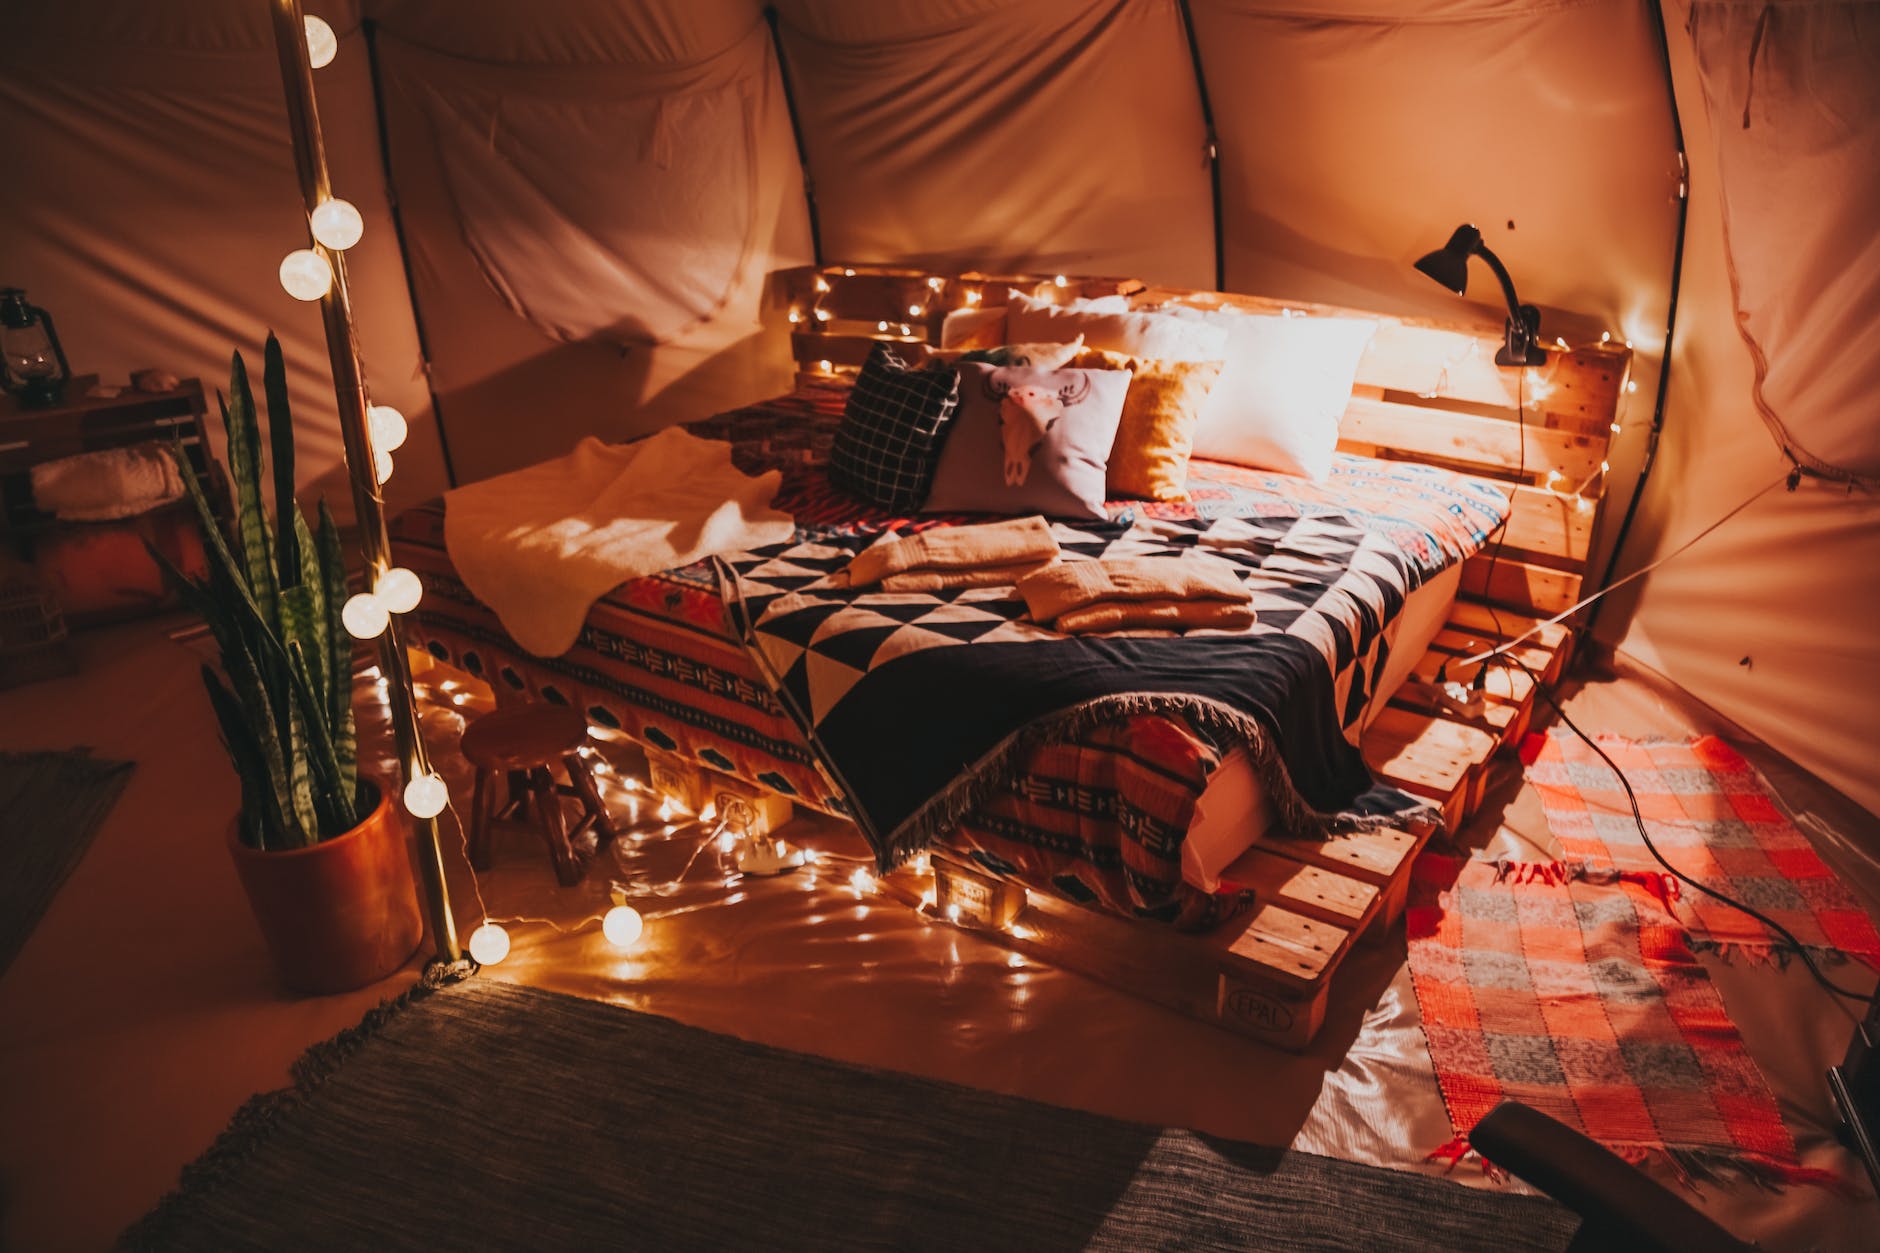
(524, 742)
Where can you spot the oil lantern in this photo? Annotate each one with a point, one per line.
(32, 362)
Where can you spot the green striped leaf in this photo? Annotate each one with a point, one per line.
(252, 530)
(260, 815)
(281, 455)
(339, 670)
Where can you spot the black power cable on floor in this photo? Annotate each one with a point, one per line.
(1639, 818)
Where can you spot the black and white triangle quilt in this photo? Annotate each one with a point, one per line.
(918, 702)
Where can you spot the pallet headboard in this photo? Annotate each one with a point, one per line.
(1427, 390)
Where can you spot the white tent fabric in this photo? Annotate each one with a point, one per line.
(151, 196)
(594, 197)
(1793, 97)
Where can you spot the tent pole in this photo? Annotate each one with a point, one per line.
(796, 132)
(1655, 8)
(1214, 143)
(369, 29)
(303, 121)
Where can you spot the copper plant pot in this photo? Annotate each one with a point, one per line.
(340, 914)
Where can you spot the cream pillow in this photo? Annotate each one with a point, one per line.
(973, 327)
(1279, 399)
(1154, 335)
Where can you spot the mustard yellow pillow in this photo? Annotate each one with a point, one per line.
(1157, 434)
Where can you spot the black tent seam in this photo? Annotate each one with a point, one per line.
(1214, 143)
(369, 29)
(796, 132)
(1671, 314)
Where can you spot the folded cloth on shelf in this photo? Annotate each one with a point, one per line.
(539, 546)
(107, 484)
(1168, 615)
(1051, 593)
(942, 580)
(1017, 541)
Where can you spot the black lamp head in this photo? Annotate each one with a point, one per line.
(1449, 265)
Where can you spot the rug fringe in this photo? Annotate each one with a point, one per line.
(249, 1128)
(1665, 888)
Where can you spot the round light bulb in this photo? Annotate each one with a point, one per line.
(322, 43)
(305, 274)
(862, 882)
(388, 428)
(426, 796)
(489, 944)
(382, 465)
(622, 926)
(337, 224)
(399, 590)
(364, 616)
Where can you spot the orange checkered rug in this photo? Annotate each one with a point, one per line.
(1574, 985)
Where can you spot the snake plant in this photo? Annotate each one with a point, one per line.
(283, 693)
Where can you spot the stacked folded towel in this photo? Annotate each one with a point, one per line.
(989, 555)
(1127, 593)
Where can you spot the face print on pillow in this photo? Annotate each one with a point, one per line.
(1026, 440)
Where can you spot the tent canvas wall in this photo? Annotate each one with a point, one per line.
(590, 199)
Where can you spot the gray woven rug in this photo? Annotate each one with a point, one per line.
(50, 806)
(489, 1116)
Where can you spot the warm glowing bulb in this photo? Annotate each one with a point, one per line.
(364, 616)
(489, 944)
(728, 842)
(305, 274)
(622, 926)
(936, 283)
(881, 326)
(399, 590)
(953, 912)
(796, 315)
(913, 311)
(1615, 428)
(665, 811)
(388, 427)
(848, 273)
(972, 297)
(1561, 341)
(1605, 467)
(826, 367)
(1631, 385)
(1061, 281)
(822, 315)
(822, 284)
(426, 796)
(1553, 476)
(382, 465)
(322, 43)
(862, 882)
(337, 224)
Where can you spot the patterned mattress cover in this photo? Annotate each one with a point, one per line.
(1101, 819)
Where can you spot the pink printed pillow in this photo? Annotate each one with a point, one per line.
(1025, 440)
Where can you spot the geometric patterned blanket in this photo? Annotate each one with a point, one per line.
(1574, 986)
(921, 704)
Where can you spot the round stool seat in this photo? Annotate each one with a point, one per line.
(525, 736)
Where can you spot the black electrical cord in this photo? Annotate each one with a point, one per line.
(1639, 818)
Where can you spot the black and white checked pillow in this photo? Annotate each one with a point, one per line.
(891, 431)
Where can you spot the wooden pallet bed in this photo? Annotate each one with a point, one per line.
(1426, 391)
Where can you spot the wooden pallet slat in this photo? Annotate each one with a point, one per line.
(1498, 445)
(1520, 585)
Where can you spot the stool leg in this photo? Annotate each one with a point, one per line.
(568, 869)
(518, 805)
(583, 780)
(482, 811)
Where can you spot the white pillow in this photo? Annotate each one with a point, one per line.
(1283, 390)
(963, 323)
(1113, 330)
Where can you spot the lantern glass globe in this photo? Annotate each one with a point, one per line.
(489, 944)
(305, 274)
(622, 925)
(426, 796)
(322, 43)
(337, 224)
(364, 616)
(399, 590)
(388, 428)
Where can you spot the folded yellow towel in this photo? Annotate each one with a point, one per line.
(1169, 615)
(1074, 584)
(1019, 541)
(944, 580)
